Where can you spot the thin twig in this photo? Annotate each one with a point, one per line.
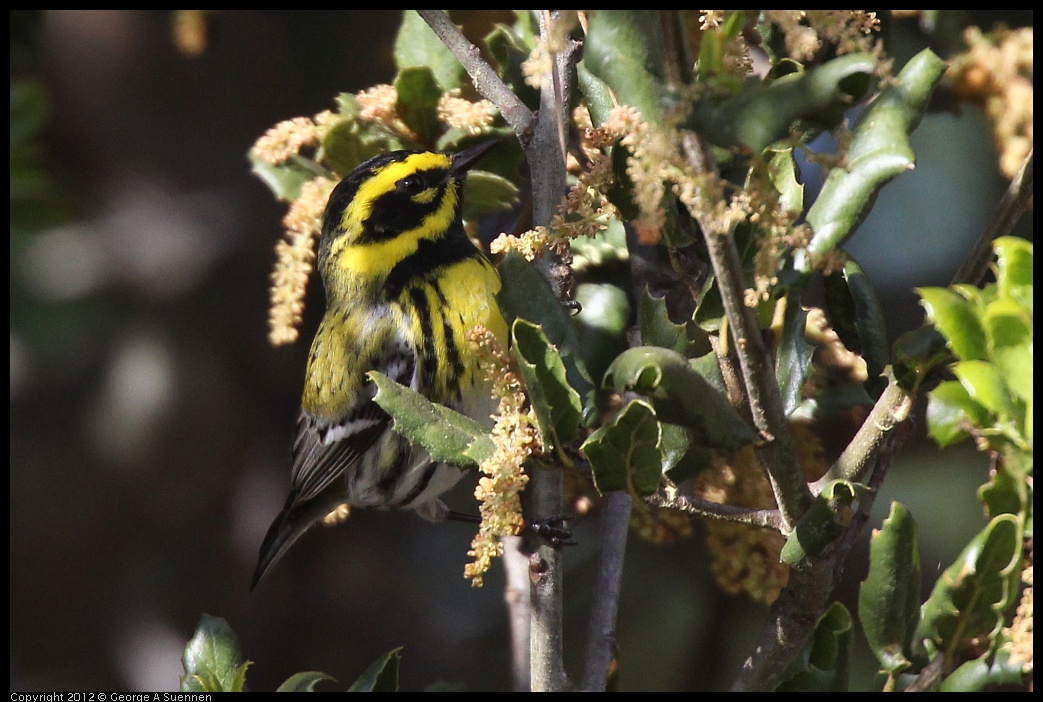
(486, 82)
(1014, 203)
(777, 455)
(601, 631)
(767, 518)
(519, 608)
(891, 409)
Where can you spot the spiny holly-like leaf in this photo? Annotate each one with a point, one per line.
(487, 192)
(446, 434)
(381, 676)
(304, 682)
(526, 294)
(793, 360)
(1014, 271)
(682, 459)
(417, 104)
(824, 663)
(212, 660)
(285, 179)
(557, 404)
(762, 112)
(623, 48)
(689, 339)
(680, 396)
(889, 599)
(972, 595)
(985, 673)
(824, 521)
(957, 319)
(858, 320)
(879, 151)
(625, 453)
(656, 327)
(952, 414)
(418, 45)
(984, 384)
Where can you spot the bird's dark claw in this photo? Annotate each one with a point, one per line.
(553, 530)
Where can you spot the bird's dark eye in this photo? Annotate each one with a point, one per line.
(412, 184)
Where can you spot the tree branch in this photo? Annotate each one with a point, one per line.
(891, 409)
(601, 631)
(762, 390)
(795, 613)
(485, 80)
(519, 608)
(768, 518)
(1014, 203)
(546, 158)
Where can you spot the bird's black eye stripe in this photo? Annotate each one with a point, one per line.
(412, 184)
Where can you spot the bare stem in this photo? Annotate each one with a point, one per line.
(776, 454)
(485, 80)
(546, 158)
(1014, 203)
(601, 631)
(768, 518)
(890, 410)
(519, 608)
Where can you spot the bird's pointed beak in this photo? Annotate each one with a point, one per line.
(464, 160)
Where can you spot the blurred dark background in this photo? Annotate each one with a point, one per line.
(151, 419)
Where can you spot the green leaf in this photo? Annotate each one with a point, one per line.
(889, 598)
(681, 458)
(794, 356)
(824, 664)
(381, 676)
(824, 521)
(984, 384)
(762, 113)
(714, 45)
(1014, 268)
(680, 395)
(447, 435)
(510, 47)
(957, 319)
(983, 673)
(418, 45)
(920, 354)
(599, 97)
(1007, 491)
(952, 414)
(625, 453)
(211, 659)
(601, 324)
(785, 177)
(487, 192)
(879, 151)
(623, 49)
(304, 682)
(527, 295)
(858, 319)
(557, 404)
(285, 179)
(417, 104)
(1006, 324)
(972, 595)
(656, 327)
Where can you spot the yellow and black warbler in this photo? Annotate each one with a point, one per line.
(404, 284)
